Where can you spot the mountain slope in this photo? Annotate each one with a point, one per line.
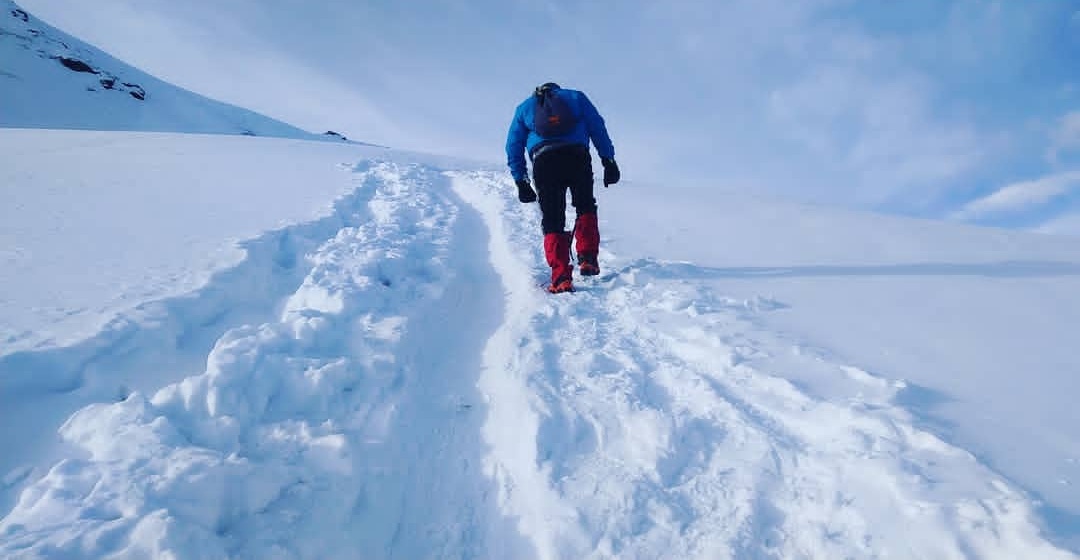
(53, 80)
(387, 380)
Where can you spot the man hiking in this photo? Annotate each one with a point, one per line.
(554, 125)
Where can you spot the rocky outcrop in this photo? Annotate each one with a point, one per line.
(36, 38)
(50, 79)
(76, 65)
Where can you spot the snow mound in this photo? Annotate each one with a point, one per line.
(53, 80)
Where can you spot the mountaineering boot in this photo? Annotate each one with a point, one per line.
(557, 253)
(587, 235)
(587, 264)
(564, 285)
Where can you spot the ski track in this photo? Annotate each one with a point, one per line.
(391, 383)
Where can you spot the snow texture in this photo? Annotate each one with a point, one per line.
(387, 380)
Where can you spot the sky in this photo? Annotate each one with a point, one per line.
(966, 109)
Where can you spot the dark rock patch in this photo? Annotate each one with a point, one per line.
(136, 91)
(335, 134)
(49, 47)
(76, 65)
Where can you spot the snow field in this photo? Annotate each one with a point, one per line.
(406, 390)
(286, 434)
(662, 428)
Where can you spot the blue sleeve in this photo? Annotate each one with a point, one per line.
(594, 125)
(515, 145)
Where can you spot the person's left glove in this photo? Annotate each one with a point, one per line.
(526, 194)
(611, 171)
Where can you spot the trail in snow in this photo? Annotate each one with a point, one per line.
(346, 427)
(417, 397)
(662, 426)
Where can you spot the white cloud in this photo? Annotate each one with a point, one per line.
(1068, 224)
(876, 131)
(1065, 137)
(1020, 196)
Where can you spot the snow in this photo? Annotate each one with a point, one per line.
(341, 351)
(219, 346)
(143, 216)
(978, 322)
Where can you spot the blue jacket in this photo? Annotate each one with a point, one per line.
(522, 137)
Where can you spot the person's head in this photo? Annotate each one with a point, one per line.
(544, 88)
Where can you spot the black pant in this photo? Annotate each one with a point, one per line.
(556, 170)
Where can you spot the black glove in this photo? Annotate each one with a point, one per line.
(526, 194)
(611, 171)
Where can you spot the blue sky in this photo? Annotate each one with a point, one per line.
(961, 109)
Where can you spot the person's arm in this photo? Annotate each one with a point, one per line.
(594, 125)
(515, 146)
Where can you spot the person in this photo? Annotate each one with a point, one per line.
(554, 126)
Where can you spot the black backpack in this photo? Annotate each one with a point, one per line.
(554, 117)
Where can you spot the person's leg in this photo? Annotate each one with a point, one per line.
(586, 229)
(587, 235)
(549, 177)
(557, 253)
(551, 193)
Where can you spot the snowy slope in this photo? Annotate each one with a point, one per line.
(979, 323)
(50, 79)
(137, 194)
(384, 379)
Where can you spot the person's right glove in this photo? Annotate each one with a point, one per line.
(526, 194)
(611, 171)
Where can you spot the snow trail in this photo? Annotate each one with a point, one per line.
(407, 391)
(664, 428)
(347, 427)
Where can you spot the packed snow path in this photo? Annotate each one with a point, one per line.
(407, 391)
